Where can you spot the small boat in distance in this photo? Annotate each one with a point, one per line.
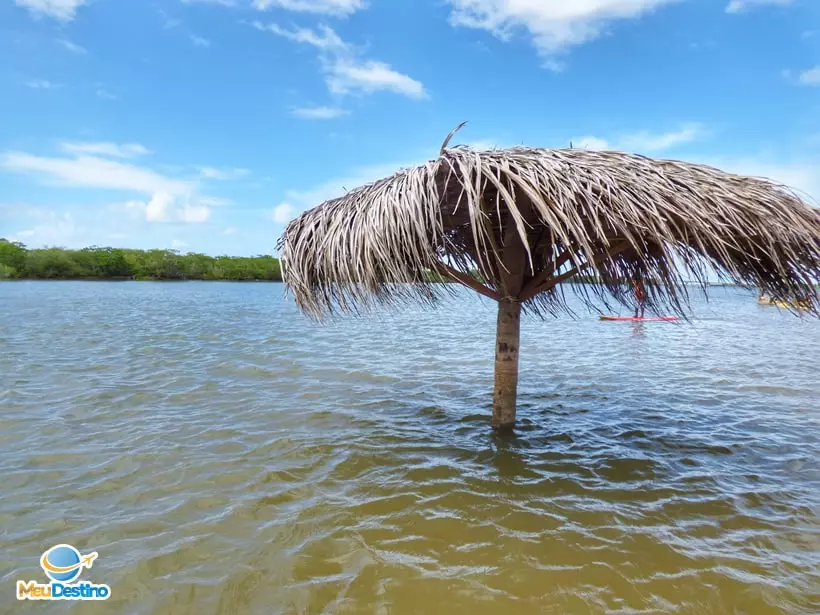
(797, 304)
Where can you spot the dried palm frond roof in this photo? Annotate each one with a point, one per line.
(610, 215)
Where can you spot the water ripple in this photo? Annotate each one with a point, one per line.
(223, 455)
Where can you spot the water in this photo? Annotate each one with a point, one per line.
(224, 455)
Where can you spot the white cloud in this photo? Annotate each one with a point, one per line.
(345, 72)
(319, 113)
(212, 201)
(554, 26)
(168, 22)
(103, 93)
(170, 199)
(116, 150)
(72, 47)
(220, 2)
(810, 76)
(482, 144)
(737, 6)
(63, 10)
(591, 143)
(644, 141)
(324, 38)
(283, 213)
(300, 200)
(198, 41)
(159, 208)
(92, 172)
(231, 230)
(339, 8)
(178, 244)
(55, 229)
(350, 76)
(222, 174)
(41, 84)
(165, 207)
(194, 214)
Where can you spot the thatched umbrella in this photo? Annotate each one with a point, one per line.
(514, 224)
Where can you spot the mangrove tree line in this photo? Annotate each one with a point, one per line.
(19, 262)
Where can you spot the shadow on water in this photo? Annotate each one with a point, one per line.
(508, 456)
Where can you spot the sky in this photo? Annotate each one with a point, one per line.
(206, 125)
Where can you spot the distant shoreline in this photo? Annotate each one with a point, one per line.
(105, 264)
(17, 262)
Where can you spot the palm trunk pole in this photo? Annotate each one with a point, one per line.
(507, 336)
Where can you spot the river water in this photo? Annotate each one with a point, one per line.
(223, 454)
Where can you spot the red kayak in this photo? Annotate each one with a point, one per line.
(633, 319)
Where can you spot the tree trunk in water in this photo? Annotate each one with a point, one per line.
(506, 364)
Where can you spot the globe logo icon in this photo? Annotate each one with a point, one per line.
(63, 563)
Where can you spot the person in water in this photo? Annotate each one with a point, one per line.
(640, 295)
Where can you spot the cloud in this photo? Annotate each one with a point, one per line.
(300, 200)
(554, 26)
(178, 244)
(644, 141)
(92, 172)
(345, 72)
(198, 41)
(658, 142)
(165, 207)
(810, 76)
(368, 77)
(338, 8)
(63, 10)
(319, 113)
(220, 2)
(481, 144)
(41, 84)
(324, 38)
(222, 174)
(231, 230)
(283, 213)
(124, 150)
(54, 229)
(212, 201)
(738, 6)
(168, 22)
(103, 93)
(72, 47)
(170, 200)
(591, 143)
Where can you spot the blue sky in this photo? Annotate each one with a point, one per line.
(205, 125)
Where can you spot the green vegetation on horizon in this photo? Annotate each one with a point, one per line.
(19, 262)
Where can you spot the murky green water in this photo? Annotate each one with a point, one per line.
(224, 455)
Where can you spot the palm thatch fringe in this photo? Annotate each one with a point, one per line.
(527, 219)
